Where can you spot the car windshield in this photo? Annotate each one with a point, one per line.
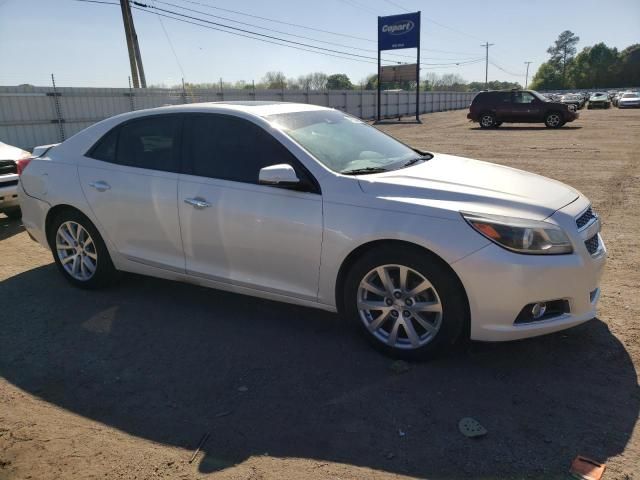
(344, 143)
(629, 95)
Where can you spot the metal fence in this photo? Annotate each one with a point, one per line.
(31, 116)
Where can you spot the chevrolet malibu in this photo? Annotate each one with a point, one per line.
(311, 206)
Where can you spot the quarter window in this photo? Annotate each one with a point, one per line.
(231, 148)
(105, 149)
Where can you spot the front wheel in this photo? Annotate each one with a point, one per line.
(79, 251)
(553, 120)
(405, 302)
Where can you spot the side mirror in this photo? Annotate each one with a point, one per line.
(281, 175)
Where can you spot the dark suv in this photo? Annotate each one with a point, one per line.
(492, 108)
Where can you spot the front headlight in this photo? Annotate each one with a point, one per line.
(520, 235)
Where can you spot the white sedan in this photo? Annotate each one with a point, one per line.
(308, 205)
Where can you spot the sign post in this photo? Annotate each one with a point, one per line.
(396, 32)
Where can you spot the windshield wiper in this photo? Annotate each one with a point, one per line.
(413, 161)
(359, 171)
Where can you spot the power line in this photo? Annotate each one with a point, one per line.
(299, 36)
(166, 34)
(505, 71)
(272, 37)
(390, 2)
(297, 25)
(271, 40)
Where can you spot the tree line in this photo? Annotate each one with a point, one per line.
(318, 81)
(595, 67)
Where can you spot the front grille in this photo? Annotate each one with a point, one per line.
(592, 244)
(585, 218)
(7, 167)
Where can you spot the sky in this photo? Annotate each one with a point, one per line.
(84, 44)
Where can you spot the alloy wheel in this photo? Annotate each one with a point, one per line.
(399, 306)
(486, 121)
(553, 120)
(76, 251)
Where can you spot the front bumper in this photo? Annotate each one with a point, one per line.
(8, 192)
(499, 283)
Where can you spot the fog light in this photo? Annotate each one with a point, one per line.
(538, 310)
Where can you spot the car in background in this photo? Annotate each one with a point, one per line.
(492, 108)
(11, 159)
(629, 100)
(599, 100)
(573, 99)
(309, 205)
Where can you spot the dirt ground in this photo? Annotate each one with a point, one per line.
(123, 383)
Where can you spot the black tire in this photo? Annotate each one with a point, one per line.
(453, 300)
(589, 107)
(13, 213)
(105, 273)
(553, 120)
(487, 120)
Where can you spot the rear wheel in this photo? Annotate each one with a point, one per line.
(553, 120)
(79, 251)
(406, 302)
(487, 120)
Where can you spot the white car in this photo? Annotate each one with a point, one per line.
(10, 161)
(308, 205)
(629, 100)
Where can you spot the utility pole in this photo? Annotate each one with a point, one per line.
(486, 64)
(135, 59)
(526, 77)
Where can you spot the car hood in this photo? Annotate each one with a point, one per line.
(600, 98)
(446, 185)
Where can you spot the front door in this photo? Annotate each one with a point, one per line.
(237, 231)
(525, 107)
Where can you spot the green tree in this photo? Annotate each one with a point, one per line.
(339, 81)
(562, 53)
(546, 78)
(629, 66)
(595, 67)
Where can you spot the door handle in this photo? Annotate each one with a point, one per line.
(197, 203)
(100, 186)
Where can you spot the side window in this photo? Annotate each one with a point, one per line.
(523, 97)
(105, 149)
(231, 148)
(503, 97)
(150, 143)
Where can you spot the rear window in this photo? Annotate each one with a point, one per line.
(147, 142)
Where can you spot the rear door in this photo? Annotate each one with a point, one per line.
(130, 180)
(234, 229)
(502, 103)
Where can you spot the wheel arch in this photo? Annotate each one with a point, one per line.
(361, 250)
(57, 210)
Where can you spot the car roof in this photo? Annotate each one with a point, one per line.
(257, 108)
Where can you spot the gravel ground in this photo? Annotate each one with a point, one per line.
(123, 383)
